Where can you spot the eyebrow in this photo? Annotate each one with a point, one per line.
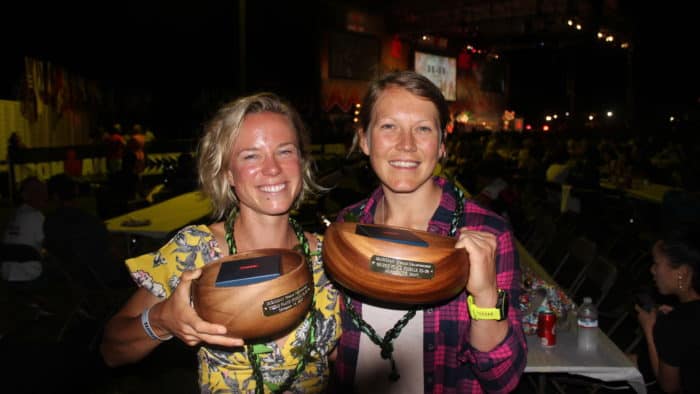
(256, 149)
(385, 118)
(286, 144)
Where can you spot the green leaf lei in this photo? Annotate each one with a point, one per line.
(254, 350)
(386, 343)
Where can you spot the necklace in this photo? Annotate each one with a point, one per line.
(254, 350)
(385, 344)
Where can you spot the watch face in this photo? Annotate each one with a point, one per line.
(503, 304)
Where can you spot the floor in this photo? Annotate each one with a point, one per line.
(36, 361)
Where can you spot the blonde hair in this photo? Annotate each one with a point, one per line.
(220, 133)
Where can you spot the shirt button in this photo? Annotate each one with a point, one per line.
(429, 379)
(431, 347)
(429, 310)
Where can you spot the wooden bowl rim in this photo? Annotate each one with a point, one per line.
(339, 227)
(341, 266)
(247, 254)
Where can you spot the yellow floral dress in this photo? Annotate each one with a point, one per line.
(230, 371)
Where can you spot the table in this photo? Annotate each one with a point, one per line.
(652, 192)
(165, 217)
(607, 363)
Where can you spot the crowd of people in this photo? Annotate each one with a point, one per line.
(254, 163)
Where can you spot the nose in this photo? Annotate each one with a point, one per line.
(271, 167)
(407, 141)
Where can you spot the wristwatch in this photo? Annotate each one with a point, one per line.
(499, 313)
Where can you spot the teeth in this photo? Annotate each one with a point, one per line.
(272, 188)
(404, 164)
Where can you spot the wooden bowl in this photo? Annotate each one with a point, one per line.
(257, 310)
(412, 274)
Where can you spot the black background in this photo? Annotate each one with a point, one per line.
(185, 57)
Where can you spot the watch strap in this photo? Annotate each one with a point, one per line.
(499, 312)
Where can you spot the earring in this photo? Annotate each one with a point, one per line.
(680, 282)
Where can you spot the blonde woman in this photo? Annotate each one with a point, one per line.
(254, 164)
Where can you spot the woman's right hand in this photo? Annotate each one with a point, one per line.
(177, 316)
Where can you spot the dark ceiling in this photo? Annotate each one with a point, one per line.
(505, 24)
(178, 49)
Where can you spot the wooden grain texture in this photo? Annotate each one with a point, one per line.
(240, 308)
(347, 255)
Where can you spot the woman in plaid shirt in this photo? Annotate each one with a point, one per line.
(442, 348)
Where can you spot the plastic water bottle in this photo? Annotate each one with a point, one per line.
(587, 318)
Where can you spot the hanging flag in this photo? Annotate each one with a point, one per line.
(27, 94)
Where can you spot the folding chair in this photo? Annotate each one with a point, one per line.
(596, 280)
(599, 276)
(559, 246)
(86, 294)
(22, 295)
(541, 236)
(581, 252)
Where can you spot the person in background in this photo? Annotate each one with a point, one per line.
(149, 138)
(558, 170)
(443, 348)
(26, 228)
(123, 192)
(496, 191)
(16, 149)
(14, 146)
(181, 179)
(115, 145)
(136, 144)
(255, 165)
(671, 333)
(79, 239)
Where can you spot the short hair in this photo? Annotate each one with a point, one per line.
(63, 186)
(682, 247)
(413, 82)
(31, 187)
(220, 133)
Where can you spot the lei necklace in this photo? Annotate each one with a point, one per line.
(254, 350)
(386, 343)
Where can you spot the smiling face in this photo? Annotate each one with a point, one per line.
(265, 164)
(403, 140)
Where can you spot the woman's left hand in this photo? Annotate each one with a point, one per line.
(481, 247)
(646, 319)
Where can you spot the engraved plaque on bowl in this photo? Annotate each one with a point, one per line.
(403, 268)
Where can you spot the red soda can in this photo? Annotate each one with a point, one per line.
(546, 328)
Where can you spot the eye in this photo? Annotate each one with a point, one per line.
(425, 129)
(250, 156)
(386, 126)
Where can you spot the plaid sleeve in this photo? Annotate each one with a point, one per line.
(499, 370)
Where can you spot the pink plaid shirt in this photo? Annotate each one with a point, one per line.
(451, 364)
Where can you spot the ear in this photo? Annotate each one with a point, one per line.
(442, 151)
(685, 271)
(363, 142)
(229, 178)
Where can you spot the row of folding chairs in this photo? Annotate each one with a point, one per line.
(609, 266)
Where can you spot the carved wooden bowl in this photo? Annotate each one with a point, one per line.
(257, 310)
(414, 275)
